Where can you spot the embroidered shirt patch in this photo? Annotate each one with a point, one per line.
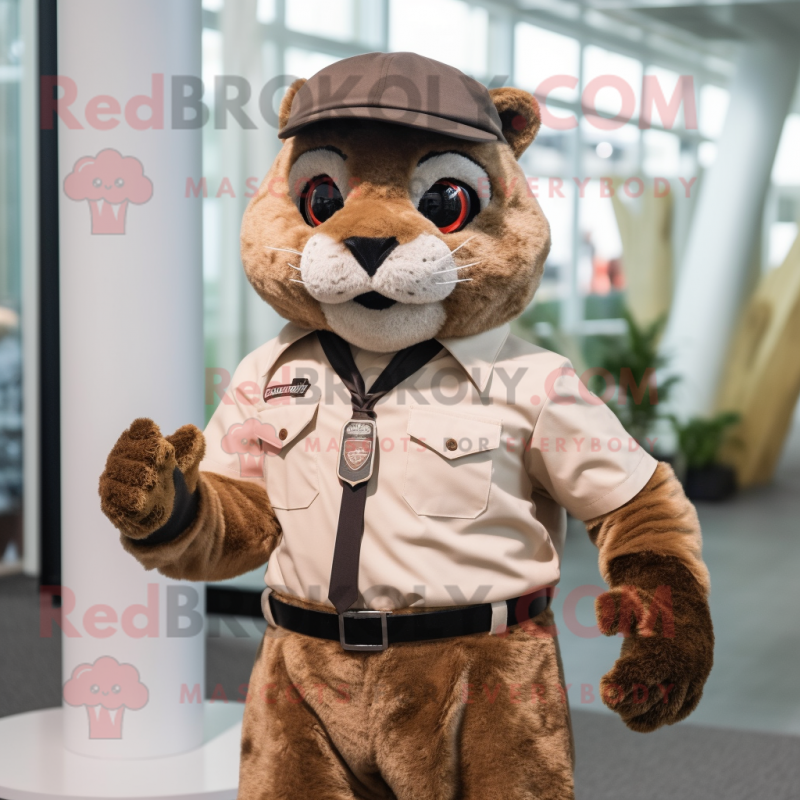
(297, 388)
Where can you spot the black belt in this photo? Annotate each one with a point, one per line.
(376, 630)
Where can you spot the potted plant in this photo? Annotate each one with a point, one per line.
(636, 356)
(699, 442)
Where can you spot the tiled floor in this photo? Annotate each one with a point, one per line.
(752, 548)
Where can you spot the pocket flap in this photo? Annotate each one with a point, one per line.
(281, 424)
(453, 435)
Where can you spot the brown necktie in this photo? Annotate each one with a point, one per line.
(343, 591)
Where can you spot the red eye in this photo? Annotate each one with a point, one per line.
(320, 200)
(449, 205)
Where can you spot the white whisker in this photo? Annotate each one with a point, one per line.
(283, 249)
(462, 266)
(460, 280)
(294, 267)
(456, 249)
(294, 281)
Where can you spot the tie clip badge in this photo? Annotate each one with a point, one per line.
(357, 451)
(297, 388)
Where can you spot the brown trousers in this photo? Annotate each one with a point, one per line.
(473, 718)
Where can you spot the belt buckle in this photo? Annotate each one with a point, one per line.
(372, 648)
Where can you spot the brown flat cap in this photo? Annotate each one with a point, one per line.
(400, 88)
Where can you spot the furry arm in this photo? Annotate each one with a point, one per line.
(650, 557)
(185, 523)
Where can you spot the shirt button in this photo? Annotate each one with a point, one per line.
(283, 434)
(451, 444)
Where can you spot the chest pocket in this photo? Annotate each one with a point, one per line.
(449, 467)
(290, 463)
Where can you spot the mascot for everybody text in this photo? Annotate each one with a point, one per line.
(403, 465)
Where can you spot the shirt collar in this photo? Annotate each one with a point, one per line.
(290, 333)
(476, 354)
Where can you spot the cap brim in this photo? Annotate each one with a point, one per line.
(394, 116)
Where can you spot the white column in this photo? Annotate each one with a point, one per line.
(131, 345)
(714, 275)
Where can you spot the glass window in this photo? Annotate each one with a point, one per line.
(265, 11)
(786, 170)
(451, 31)
(570, 169)
(662, 154)
(540, 54)
(333, 19)
(600, 256)
(548, 166)
(304, 63)
(557, 199)
(370, 24)
(10, 294)
(614, 80)
(713, 110)
(551, 154)
(688, 158)
(545, 316)
(781, 238)
(667, 83)
(783, 214)
(213, 249)
(706, 154)
(609, 152)
(212, 66)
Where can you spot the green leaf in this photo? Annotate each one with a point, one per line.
(700, 439)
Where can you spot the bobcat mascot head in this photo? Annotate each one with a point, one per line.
(396, 211)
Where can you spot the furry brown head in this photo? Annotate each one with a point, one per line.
(378, 270)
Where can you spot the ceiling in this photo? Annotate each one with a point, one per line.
(714, 20)
(720, 25)
(714, 29)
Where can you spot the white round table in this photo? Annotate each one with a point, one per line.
(35, 765)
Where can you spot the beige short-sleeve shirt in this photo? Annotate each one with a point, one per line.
(479, 454)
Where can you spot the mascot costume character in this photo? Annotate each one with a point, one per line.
(403, 465)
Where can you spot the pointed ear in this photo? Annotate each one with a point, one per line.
(286, 103)
(520, 116)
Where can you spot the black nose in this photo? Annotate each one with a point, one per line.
(370, 252)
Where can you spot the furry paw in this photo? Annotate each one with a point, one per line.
(667, 654)
(137, 487)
